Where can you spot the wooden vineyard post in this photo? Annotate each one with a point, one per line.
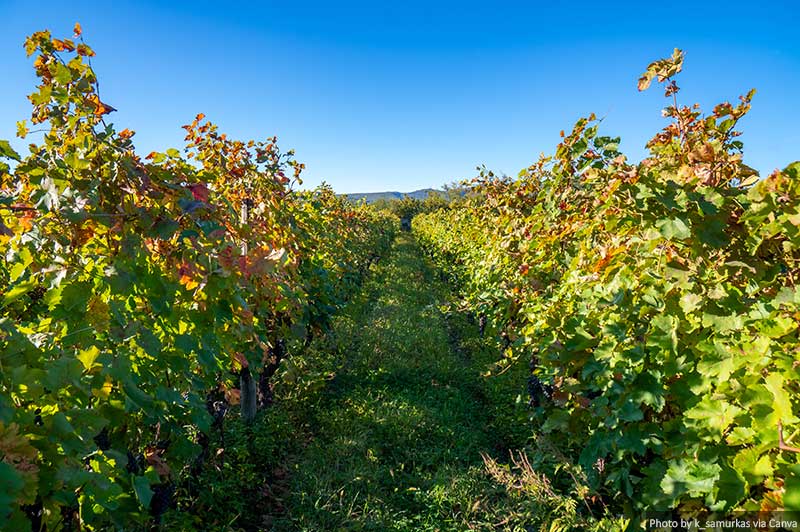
(247, 384)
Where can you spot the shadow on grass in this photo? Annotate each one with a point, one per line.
(397, 444)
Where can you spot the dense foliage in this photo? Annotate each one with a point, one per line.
(135, 293)
(656, 303)
(408, 207)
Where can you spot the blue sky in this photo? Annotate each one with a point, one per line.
(405, 95)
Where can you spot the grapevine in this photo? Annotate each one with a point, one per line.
(133, 293)
(658, 300)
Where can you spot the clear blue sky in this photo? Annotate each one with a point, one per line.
(404, 95)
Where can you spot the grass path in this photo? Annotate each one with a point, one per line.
(396, 435)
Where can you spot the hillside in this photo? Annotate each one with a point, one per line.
(372, 197)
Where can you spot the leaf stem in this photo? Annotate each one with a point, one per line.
(782, 444)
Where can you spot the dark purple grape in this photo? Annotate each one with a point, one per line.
(162, 498)
(102, 441)
(537, 391)
(135, 463)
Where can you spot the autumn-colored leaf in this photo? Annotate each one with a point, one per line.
(187, 276)
(199, 192)
(188, 282)
(153, 458)
(99, 108)
(232, 396)
(241, 360)
(85, 51)
(63, 45)
(645, 80)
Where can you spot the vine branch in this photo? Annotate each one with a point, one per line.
(782, 445)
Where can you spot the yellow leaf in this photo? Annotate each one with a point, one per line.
(188, 282)
(104, 391)
(750, 180)
(782, 404)
(88, 356)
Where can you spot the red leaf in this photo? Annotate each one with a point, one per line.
(200, 192)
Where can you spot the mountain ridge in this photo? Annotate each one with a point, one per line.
(372, 197)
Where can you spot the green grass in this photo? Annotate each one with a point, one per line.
(381, 425)
(398, 432)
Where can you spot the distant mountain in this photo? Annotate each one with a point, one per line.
(372, 197)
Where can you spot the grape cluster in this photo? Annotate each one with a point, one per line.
(34, 512)
(162, 499)
(69, 518)
(217, 406)
(537, 390)
(37, 293)
(135, 464)
(593, 394)
(102, 441)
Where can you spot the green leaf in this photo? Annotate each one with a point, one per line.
(42, 96)
(630, 412)
(791, 496)
(141, 485)
(673, 228)
(149, 342)
(63, 372)
(166, 228)
(189, 206)
(690, 302)
(723, 324)
(75, 296)
(17, 292)
(186, 343)
(712, 232)
(689, 477)
(741, 436)
(23, 260)
(13, 486)
(713, 415)
(137, 396)
(754, 466)
(209, 226)
(63, 74)
(779, 327)
(729, 490)
(718, 363)
(189, 233)
(664, 333)
(782, 402)
(8, 152)
(62, 425)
